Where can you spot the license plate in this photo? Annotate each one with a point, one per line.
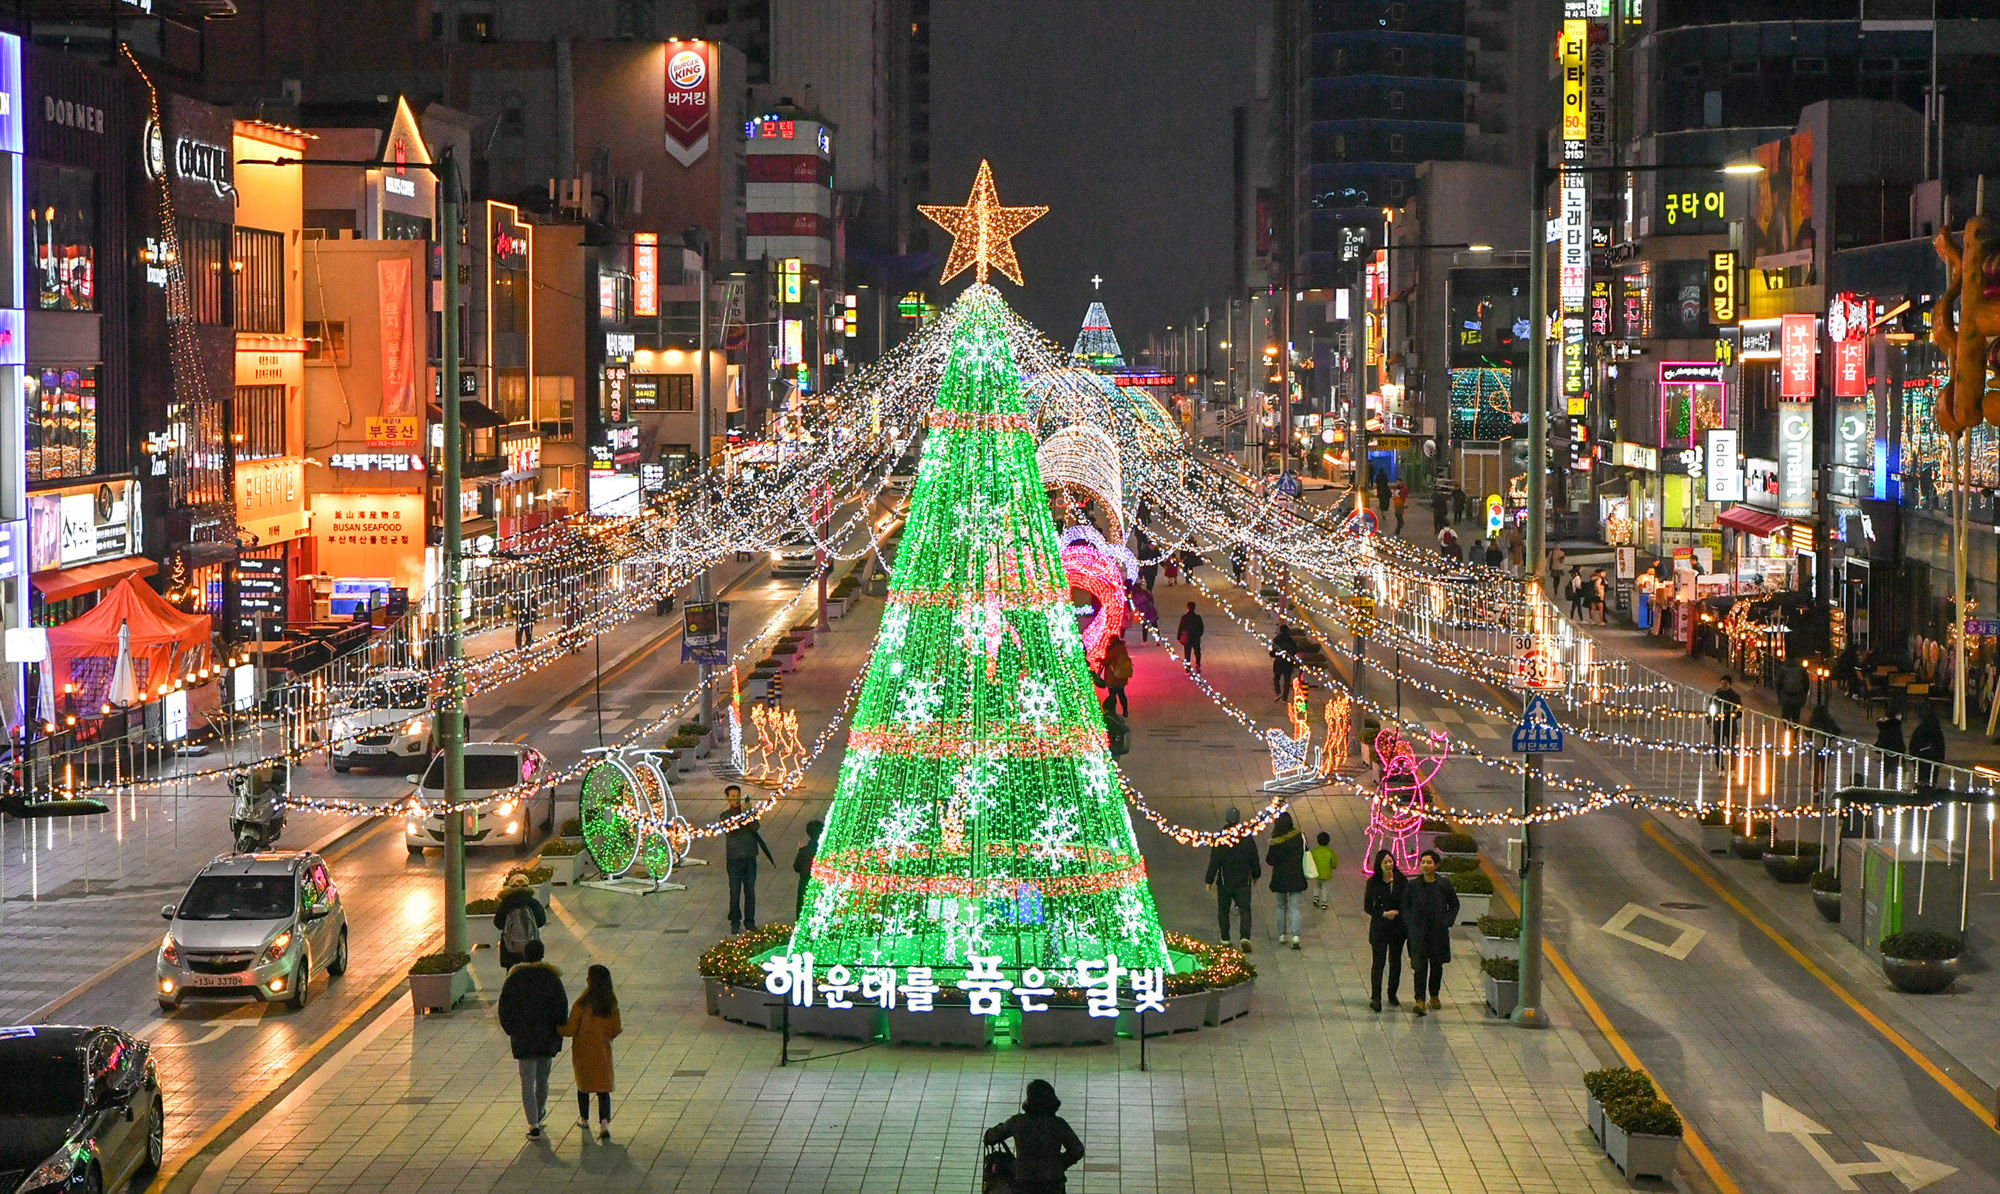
(218, 980)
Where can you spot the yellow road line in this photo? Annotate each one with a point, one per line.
(1703, 1155)
(1979, 1110)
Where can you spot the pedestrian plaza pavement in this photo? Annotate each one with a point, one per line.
(1311, 1092)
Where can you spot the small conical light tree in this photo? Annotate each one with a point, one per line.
(1096, 343)
(977, 809)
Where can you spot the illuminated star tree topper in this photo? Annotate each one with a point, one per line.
(982, 232)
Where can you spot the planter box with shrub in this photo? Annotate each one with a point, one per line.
(712, 989)
(1475, 892)
(1457, 864)
(479, 927)
(1456, 845)
(1499, 937)
(540, 877)
(1642, 1136)
(439, 981)
(1227, 1003)
(1792, 862)
(747, 1005)
(1066, 1026)
(1715, 832)
(1616, 1082)
(1751, 847)
(571, 829)
(1185, 1013)
(1503, 984)
(564, 860)
(1826, 895)
(1922, 962)
(948, 1024)
(858, 1023)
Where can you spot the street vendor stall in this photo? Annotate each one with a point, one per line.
(166, 645)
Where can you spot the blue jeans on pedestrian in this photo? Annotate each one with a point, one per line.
(535, 1087)
(742, 893)
(1291, 912)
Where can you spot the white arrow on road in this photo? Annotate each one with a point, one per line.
(1783, 1119)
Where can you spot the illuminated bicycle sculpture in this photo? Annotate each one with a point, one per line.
(631, 826)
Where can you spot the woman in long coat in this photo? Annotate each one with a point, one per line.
(593, 1025)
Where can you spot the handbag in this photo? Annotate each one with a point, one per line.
(1312, 866)
(997, 1171)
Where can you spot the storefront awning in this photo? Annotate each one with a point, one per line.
(60, 584)
(472, 414)
(1752, 522)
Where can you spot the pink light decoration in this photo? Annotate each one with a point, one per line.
(1403, 782)
(1103, 578)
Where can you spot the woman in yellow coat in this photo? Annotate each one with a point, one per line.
(593, 1024)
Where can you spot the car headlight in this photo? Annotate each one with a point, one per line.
(55, 1171)
(412, 825)
(414, 726)
(513, 827)
(170, 950)
(777, 555)
(279, 944)
(338, 729)
(503, 808)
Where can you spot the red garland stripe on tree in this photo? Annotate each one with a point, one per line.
(1017, 740)
(991, 887)
(960, 420)
(1015, 599)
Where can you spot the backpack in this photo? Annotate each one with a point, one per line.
(520, 928)
(1118, 731)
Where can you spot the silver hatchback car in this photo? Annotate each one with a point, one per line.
(256, 926)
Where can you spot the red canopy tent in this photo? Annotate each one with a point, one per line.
(166, 643)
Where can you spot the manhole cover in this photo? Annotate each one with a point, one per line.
(1683, 905)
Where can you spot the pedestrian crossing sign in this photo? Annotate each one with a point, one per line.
(1539, 733)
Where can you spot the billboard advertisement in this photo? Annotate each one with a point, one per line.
(690, 104)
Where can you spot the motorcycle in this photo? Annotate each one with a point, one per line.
(257, 820)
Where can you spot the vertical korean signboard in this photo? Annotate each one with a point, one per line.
(645, 273)
(1795, 459)
(1575, 55)
(1796, 363)
(690, 101)
(1574, 252)
(1722, 287)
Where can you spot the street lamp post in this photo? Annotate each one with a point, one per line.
(451, 718)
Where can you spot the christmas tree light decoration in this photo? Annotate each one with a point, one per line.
(1096, 343)
(978, 780)
(982, 237)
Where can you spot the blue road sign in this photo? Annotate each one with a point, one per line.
(1538, 733)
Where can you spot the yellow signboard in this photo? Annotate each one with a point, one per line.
(1722, 287)
(1575, 50)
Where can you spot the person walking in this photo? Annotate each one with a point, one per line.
(1286, 858)
(739, 853)
(802, 862)
(1324, 860)
(593, 1024)
(1458, 503)
(1284, 662)
(519, 918)
(524, 618)
(1598, 584)
(1399, 501)
(1430, 909)
(1117, 674)
(1440, 508)
(1927, 743)
(1573, 590)
(1495, 555)
(1237, 560)
(1448, 543)
(1381, 493)
(533, 1009)
(1557, 558)
(1046, 1146)
(1148, 573)
(1232, 868)
(1148, 613)
(1382, 900)
(1793, 686)
(1191, 630)
(1725, 715)
(1171, 569)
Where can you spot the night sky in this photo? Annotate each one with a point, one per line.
(1116, 115)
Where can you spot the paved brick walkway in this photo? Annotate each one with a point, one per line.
(1310, 1093)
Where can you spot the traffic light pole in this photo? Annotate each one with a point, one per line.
(451, 709)
(703, 430)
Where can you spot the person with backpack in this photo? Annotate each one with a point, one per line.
(1117, 674)
(593, 1024)
(1284, 662)
(519, 918)
(1117, 731)
(802, 862)
(533, 1009)
(1048, 1146)
(739, 855)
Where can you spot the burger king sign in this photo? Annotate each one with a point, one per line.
(688, 99)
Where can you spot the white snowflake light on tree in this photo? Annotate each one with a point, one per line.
(1038, 701)
(976, 783)
(1057, 836)
(919, 701)
(903, 827)
(1063, 633)
(895, 624)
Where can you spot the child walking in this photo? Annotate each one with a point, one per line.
(593, 1023)
(1323, 862)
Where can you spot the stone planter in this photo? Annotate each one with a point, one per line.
(1715, 838)
(1749, 849)
(858, 1023)
(1914, 976)
(949, 1024)
(1787, 868)
(803, 636)
(785, 663)
(835, 607)
(711, 991)
(1828, 905)
(1641, 1156)
(1593, 1114)
(1472, 907)
(1227, 1003)
(1067, 1026)
(565, 866)
(439, 992)
(1426, 840)
(1185, 1013)
(1499, 947)
(1501, 995)
(1474, 856)
(746, 1005)
(479, 930)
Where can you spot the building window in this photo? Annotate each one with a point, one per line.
(1808, 66)
(326, 342)
(510, 394)
(1396, 143)
(1395, 55)
(475, 26)
(677, 391)
(1395, 99)
(205, 259)
(257, 431)
(259, 265)
(1742, 67)
(61, 402)
(397, 226)
(62, 222)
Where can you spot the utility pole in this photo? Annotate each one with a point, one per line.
(1528, 1011)
(702, 432)
(451, 718)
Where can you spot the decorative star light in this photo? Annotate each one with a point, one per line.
(982, 232)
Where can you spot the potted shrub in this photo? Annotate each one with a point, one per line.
(1642, 1136)
(571, 829)
(1751, 846)
(541, 878)
(1599, 1085)
(1791, 862)
(1499, 936)
(1715, 832)
(1503, 984)
(1922, 962)
(858, 1023)
(1457, 864)
(734, 985)
(1475, 892)
(479, 927)
(1187, 1009)
(1227, 977)
(1826, 894)
(1067, 1022)
(803, 634)
(1456, 845)
(438, 981)
(949, 1022)
(1430, 831)
(564, 860)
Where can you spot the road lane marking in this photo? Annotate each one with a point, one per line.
(1980, 1111)
(1783, 1119)
(1620, 926)
(1703, 1155)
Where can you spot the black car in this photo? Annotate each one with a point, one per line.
(80, 1110)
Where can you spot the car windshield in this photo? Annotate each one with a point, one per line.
(482, 772)
(41, 1078)
(393, 694)
(238, 897)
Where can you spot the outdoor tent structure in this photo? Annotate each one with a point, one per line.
(166, 644)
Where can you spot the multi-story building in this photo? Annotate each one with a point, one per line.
(791, 223)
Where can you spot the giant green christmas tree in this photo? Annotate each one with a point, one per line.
(977, 809)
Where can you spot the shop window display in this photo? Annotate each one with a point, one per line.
(62, 223)
(61, 410)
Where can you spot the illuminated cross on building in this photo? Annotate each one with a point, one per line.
(1096, 282)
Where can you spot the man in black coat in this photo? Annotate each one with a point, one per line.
(1191, 630)
(802, 862)
(533, 1009)
(1430, 909)
(739, 857)
(1232, 868)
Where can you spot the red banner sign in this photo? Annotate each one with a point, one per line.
(689, 103)
(1795, 355)
(399, 393)
(1850, 368)
(645, 273)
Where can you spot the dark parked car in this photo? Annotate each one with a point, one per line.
(80, 1110)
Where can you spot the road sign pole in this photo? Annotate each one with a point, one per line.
(1528, 1011)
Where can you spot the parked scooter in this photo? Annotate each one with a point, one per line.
(257, 819)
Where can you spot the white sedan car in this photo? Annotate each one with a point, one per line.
(389, 721)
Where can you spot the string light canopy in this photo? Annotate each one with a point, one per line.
(982, 231)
